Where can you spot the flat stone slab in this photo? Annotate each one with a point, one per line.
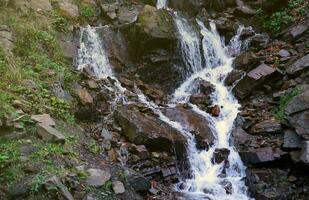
(49, 133)
(97, 177)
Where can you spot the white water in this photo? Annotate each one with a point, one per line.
(206, 59)
(161, 4)
(207, 176)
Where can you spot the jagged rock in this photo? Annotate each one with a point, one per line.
(245, 61)
(118, 187)
(44, 119)
(68, 46)
(20, 189)
(298, 103)
(267, 126)
(243, 10)
(84, 96)
(234, 76)
(204, 87)
(59, 92)
(201, 99)
(138, 182)
(143, 129)
(284, 53)
(97, 177)
(140, 151)
(41, 5)
(53, 183)
(49, 133)
(253, 79)
(299, 66)
(68, 8)
(193, 122)
(260, 155)
(110, 10)
(291, 140)
(128, 15)
(304, 156)
(300, 122)
(297, 30)
(221, 155)
(185, 5)
(215, 111)
(259, 40)
(6, 39)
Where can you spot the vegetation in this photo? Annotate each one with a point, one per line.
(87, 12)
(279, 112)
(275, 22)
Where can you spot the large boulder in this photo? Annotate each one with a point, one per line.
(266, 126)
(299, 66)
(245, 61)
(6, 39)
(145, 129)
(260, 155)
(297, 114)
(194, 123)
(152, 46)
(255, 78)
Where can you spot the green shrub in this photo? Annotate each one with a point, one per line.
(87, 12)
(279, 112)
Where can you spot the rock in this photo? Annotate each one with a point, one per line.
(92, 84)
(266, 126)
(291, 140)
(193, 122)
(6, 39)
(53, 183)
(68, 9)
(128, 15)
(253, 79)
(41, 5)
(138, 182)
(110, 10)
(284, 53)
(299, 122)
(234, 76)
(241, 138)
(215, 5)
(221, 155)
(215, 111)
(259, 40)
(297, 30)
(44, 119)
(84, 96)
(68, 46)
(140, 151)
(298, 103)
(304, 156)
(20, 189)
(243, 10)
(260, 155)
(204, 87)
(299, 66)
(118, 187)
(97, 177)
(201, 99)
(59, 92)
(143, 129)
(48, 133)
(245, 61)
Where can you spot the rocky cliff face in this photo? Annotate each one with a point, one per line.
(126, 152)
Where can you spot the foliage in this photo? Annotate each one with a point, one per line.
(60, 23)
(37, 182)
(275, 22)
(279, 112)
(87, 12)
(93, 147)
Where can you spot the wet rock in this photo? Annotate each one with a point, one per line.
(299, 66)
(118, 187)
(234, 76)
(204, 87)
(291, 140)
(49, 133)
(53, 183)
(253, 79)
(144, 129)
(201, 99)
(284, 53)
(259, 40)
(227, 186)
(221, 155)
(241, 138)
(267, 126)
(243, 10)
(245, 61)
(215, 111)
(44, 119)
(260, 155)
(193, 122)
(67, 8)
(97, 177)
(6, 39)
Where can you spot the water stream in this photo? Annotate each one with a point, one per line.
(206, 57)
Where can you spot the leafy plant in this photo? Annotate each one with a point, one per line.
(93, 147)
(60, 23)
(279, 112)
(37, 182)
(87, 12)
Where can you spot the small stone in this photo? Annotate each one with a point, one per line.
(284, 53)
(215, 111)
(92, 84)
(83, 95)
(118, 187)
(44, 119)
(97, 177)
(292, 179)
(49, 133)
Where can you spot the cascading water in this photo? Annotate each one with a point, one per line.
(161, 4)
(208, 177)
(206, 60)
(92, 55)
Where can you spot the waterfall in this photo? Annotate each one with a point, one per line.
(161, 4)
(208, 179)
